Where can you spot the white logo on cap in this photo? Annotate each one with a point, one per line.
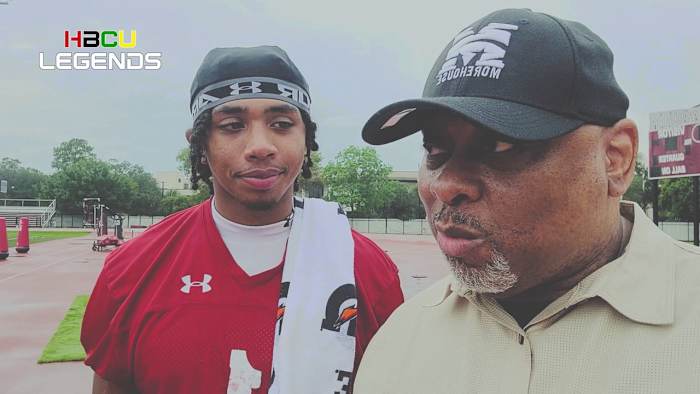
(467, 45)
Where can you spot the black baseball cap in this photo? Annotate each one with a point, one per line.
(228, 74)
(524, 74)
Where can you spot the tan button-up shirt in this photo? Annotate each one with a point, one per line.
(632, 326)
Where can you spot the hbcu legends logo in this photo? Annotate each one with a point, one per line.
(101, 60)
(482, 48)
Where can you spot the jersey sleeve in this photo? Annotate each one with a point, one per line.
(378, 289)
(105, 341)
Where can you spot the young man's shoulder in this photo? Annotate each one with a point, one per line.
(370, 257)
(378, 289)
(133, 257)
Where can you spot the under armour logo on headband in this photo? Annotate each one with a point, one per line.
(246, 88)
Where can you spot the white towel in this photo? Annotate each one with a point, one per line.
(314, 349)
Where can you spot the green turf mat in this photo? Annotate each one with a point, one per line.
(65, 343)
(42, 236)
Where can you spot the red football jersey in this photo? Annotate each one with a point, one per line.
(171, 309)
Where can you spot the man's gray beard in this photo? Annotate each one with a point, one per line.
(495, 277)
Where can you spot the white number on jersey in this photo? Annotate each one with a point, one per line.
(243, 378)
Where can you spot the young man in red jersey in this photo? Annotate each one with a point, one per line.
(254, 290)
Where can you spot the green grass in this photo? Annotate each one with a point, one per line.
(65, 343)
(42, 236)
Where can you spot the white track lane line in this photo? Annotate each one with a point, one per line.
(36, 269)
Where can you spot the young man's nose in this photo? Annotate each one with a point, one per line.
(259, 145)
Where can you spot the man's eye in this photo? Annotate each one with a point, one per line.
(432, 150)
(501, 146)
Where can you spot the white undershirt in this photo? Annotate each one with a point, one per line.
(255, 248)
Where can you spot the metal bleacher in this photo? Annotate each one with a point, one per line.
(38, 211)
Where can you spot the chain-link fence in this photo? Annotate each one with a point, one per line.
(391, 226)
(682, 231)
(76, 221)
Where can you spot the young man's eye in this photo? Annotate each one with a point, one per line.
(232, 125)
(282, 124)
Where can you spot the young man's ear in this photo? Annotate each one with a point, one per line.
(188, 135)
(621, 155)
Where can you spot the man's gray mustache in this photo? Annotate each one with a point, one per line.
(451, 215)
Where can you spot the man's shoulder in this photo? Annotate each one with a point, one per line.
(425, 301)
(686, 259)
(688, 253)
(417, 314)
(134, 256)
(167, 228)
(411, 326)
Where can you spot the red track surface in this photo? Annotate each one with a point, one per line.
(37, 289)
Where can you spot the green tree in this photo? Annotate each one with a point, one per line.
(402, 202)
(359, 180)
(183, 161)
(89, 177)
(72, 151)
(173, 201)
(676, 199)
(122, 186)
(313, 187)
(145, 200)
(22, 182)
(640, 189)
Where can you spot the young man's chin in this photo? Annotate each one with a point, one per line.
(260, 205)
(262, 201)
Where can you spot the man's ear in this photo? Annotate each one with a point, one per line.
(621, 143)
(188, 135)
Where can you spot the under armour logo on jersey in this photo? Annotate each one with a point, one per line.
(204, 284)
(482, 47)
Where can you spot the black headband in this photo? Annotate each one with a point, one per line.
(247, 88)
(228, 74)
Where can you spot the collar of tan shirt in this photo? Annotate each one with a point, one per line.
(640, 284)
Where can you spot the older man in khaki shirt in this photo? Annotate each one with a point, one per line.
(557, 286)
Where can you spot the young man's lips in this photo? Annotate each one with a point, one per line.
(457, 246)
(262, 179)
(260, 183)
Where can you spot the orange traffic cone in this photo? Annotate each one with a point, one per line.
(3, 240)
(23, 236)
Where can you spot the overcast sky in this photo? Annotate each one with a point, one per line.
(356, 55)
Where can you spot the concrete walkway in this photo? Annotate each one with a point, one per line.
(37, 289)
